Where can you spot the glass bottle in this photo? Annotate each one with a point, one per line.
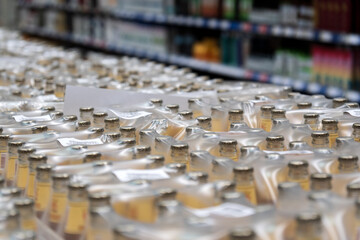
(180, 153)
(10, 172)
(98, 119)
(348, 164)
(204, 122)
(58, 199)
(275, 143)
(156, 161)
(191, 130)
(11, 222)
(173, 108)
(298, 145)
(265, 117)
(278, 114)
(356, 132)
(197, 162)
(228, 149)
(130, 132)
(304, 105)
(320, 139)
(298, 172)
(111, 137)
(186, 115)
(141, 151)
(77, 211)
(42, 189)
(92, 157)
(308, 226)
(352, 105)
(242, 233)
(343, 141)
(157, 102)
(218, 119)
(338, 102)
(220, 169)
(34, 161)
(60, 90)
(162, 146)
(25, 206)
(86, 113)
(83, 125)
(331, 126)
(112, 124)
(23, 166)
(235, 116)
(321, 182)
(353, 190)
(39, 129)
(163, 194)
(244, 181)
(98, 227)
(312, 119)
(195, 107)
(4, 140)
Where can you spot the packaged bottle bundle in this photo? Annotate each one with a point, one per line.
(182, 156)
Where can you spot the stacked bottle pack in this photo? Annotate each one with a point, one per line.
(240, 161)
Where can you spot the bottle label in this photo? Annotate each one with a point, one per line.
(266, 124)
(66, 142)
(42, 195)
(332, 139)
(144, 174)
(249, 192)
(28, 224)
(22, 176)
(58, 207)
(4, 157)
(229, 210)
(30, 191)
(76, 218)
(10, 171)
(20, 118)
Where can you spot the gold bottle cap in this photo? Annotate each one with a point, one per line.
(37, 157)
(48, 108)
(193, 100)
(178, 167)
(242, 233)
(278, 113)
(112, 120)
(56, 114)
(143, 148)
(84, 123)
(311, 116)
(352, 105)
(232, 196)
(237, 111)
(92, 156)
(243, 169)
(96, 130)
(186, 114)
(180, 146)
(99, 196)
(277, 138)
(198, 176)
(319, 134)
(86, 109)
(15, 143)
(298, 163)
(113, 136)
(77, 185)
(156, 101)
(60, 84)
(173, 107)
(99, 114)
(4, 137)
(101, 163)
(355, 126)
(60, 176)
(26, 150)
(329, 121)
(321, 177)
(203, 119)
(44, 168)
(16, 93)
(228, 142)
(353, 187)
(156, 158)
(225, 186)
(337, 102)
(304, 105)
(129, 129)
(167, 193)
(39, 129)
(284, 186)
(348, 158)
(267, 108)
(70, 118)
(23, 202)
(297, 145)
(128, 141)
(307, 217)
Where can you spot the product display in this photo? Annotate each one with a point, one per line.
(108, 147)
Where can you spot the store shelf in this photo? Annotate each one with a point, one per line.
(348, 39)
(213, 68)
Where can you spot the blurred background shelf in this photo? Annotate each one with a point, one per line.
(213, 68)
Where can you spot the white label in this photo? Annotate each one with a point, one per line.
(135, 174)
(3, 160)
(20, 118)
(230, 210)
(354, 112)
(66, 142)
(132, 115)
